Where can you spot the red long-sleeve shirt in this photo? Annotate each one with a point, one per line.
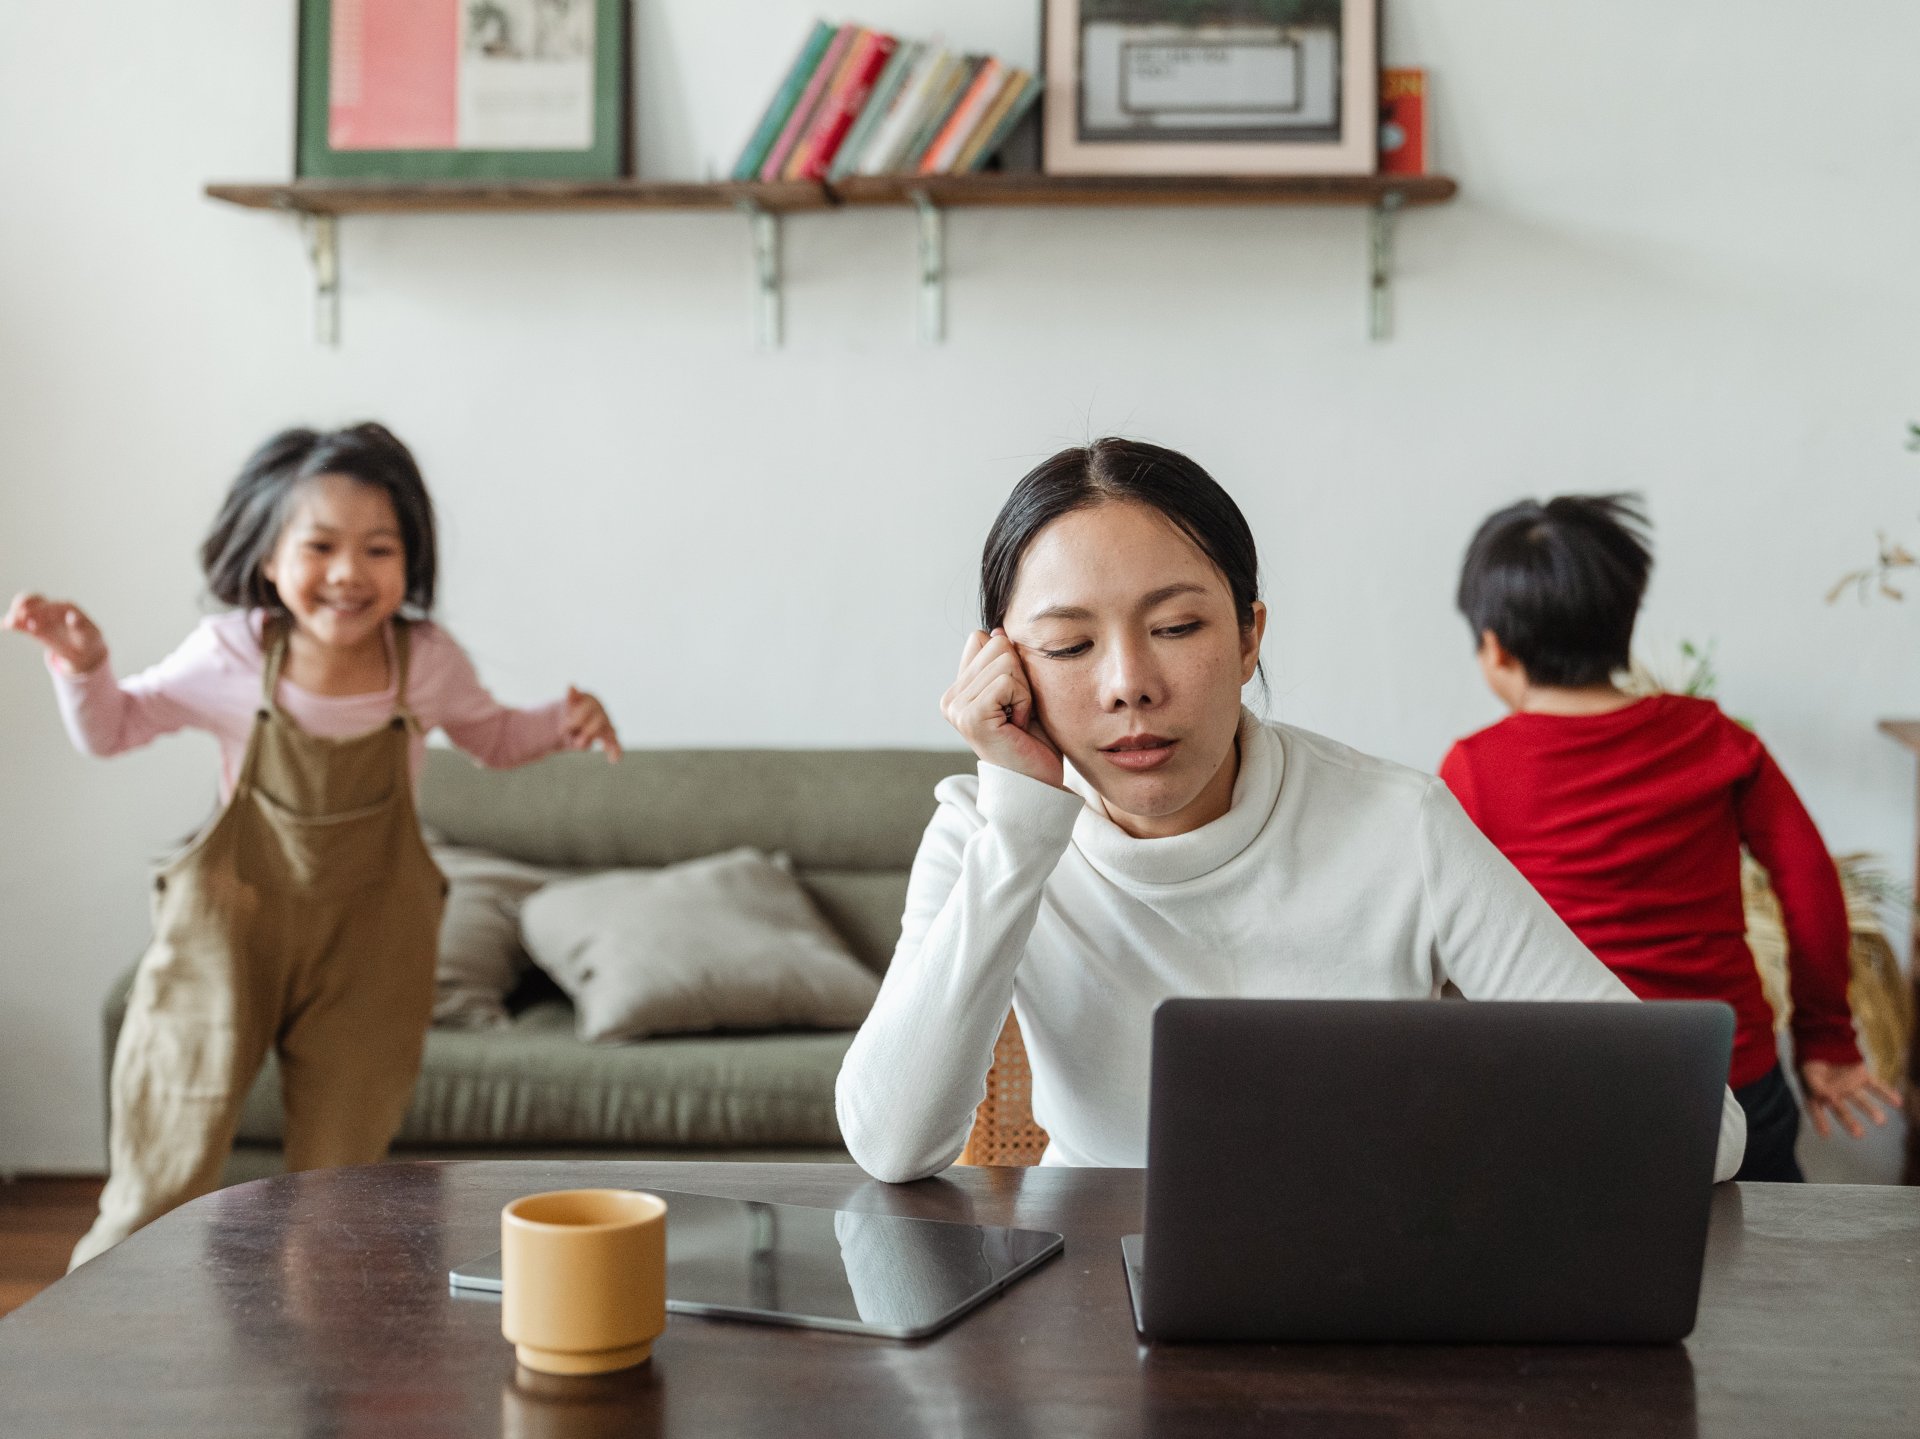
(1630, 824)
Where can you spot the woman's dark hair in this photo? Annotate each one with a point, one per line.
(1113, 469)
(1560, 584)
(237, 548)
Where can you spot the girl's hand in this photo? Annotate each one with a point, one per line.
(588, 725)
(69, 636)
(1832, 1088)
(991, 703)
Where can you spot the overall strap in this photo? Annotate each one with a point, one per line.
(402, 652)
(273, 643)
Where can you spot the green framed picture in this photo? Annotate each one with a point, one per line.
(463, 90)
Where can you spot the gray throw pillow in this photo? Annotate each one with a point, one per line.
(730, 941)
(481, 958)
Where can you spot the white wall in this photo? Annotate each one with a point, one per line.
(1682, 261)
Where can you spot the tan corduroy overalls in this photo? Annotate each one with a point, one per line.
(305, 918)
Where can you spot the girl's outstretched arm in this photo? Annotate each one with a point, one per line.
(72, 640)
(446, 692)
(103, 715)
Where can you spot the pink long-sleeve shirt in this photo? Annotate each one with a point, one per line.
(212, 682)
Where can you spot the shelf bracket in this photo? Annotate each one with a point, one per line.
(767, 297)
(322, 234)
(933, 269)
(1380, 248)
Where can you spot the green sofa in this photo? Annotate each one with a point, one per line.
(850, 819)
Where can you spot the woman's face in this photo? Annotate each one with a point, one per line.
(1136, 661)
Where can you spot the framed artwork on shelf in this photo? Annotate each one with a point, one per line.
(1211, 87)
(462, 90)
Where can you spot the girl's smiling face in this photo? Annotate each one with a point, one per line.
(1136, 659)
(340, 565)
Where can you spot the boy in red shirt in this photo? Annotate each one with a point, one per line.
(1628, 815)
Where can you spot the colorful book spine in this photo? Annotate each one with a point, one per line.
(842, 106)
(784, 99)
(1403, 122)
(803, 147)
(890, 139)
(808, 102)
(885, 91)
(959, 77)
(1008, 92)
(1022, 102)
(965, 119)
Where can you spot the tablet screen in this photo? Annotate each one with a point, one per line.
(824, 1268)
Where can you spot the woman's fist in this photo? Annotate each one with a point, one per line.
(991, 704)
(69, 636)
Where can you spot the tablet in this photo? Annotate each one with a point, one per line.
(841, 1269)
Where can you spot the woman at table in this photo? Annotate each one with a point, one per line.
(1134, 833)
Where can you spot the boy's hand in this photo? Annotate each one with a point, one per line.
(991, 703)
(70, 637)
(1841, 1089)
(588, 725)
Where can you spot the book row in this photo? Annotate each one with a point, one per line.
(857, 101)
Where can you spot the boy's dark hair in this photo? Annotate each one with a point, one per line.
(1560, 584)
(1114, 469)
(236, 549)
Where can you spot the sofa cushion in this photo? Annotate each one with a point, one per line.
(481, 958)
(729, 941)
(864, 907)
(534, 1083)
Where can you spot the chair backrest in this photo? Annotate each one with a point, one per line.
(1004, 1131)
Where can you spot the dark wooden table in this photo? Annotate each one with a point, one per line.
(318, 1305)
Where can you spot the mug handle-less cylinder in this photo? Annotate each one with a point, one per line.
(583, 1279)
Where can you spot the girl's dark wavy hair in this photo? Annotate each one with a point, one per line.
(260, 501)
(1116, 469)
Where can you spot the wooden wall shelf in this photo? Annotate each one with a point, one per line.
(356, 197)
(362, 197)
(319, 204)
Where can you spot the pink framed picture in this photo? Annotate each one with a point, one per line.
(1211, 87)
(463, 89)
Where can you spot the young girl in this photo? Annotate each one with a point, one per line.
(304, 918)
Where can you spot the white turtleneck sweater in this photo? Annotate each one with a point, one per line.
(1333, 875)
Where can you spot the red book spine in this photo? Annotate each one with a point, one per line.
(1403, 122)
(841, 108)
(808, 104)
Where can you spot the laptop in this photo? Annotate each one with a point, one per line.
(1421, 1171)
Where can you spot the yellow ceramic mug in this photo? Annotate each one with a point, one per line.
(584, 1279)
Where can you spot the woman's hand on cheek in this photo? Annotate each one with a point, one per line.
(991, 704)
(587, 725)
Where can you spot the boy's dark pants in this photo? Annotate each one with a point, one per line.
(1773, 1123)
